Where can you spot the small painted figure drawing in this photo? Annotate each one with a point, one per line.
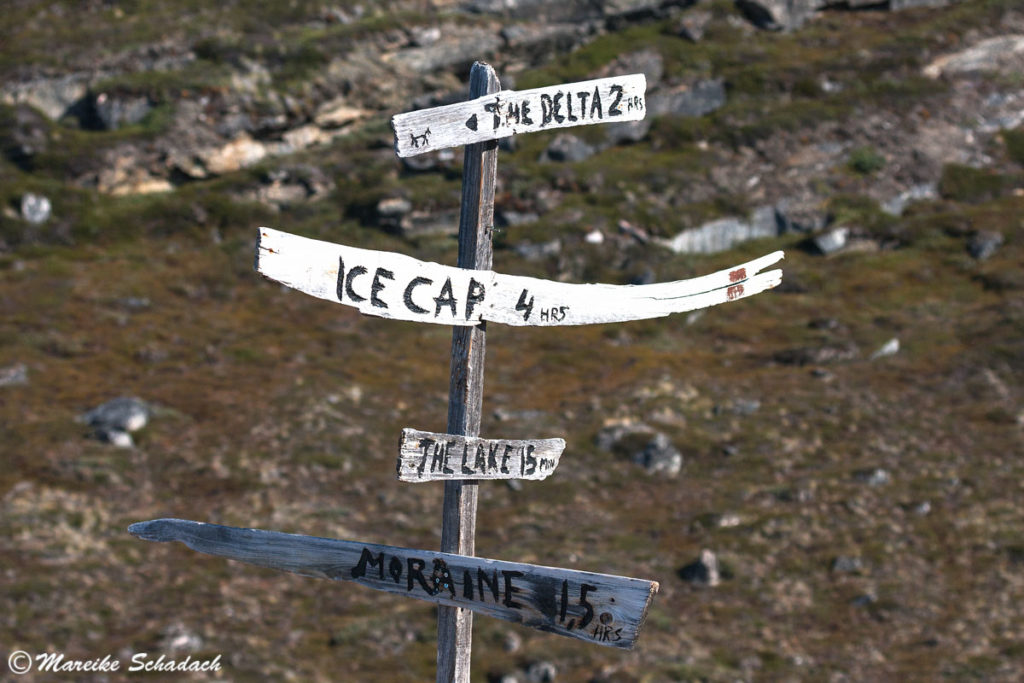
(441, 578)
(423, 138)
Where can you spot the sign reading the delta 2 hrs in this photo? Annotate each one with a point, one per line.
(505, 113)
(397, 286)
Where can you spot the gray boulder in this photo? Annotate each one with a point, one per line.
(114, 110)
(26, 136)
(832, 241)
(541, 672)
(702, 571)
(696, 99)
(984, 244)
(724, 233)
(114, 420)
(779, 15)
(642, 445)
(566, 147)
(14, 375)
(691, 26)
(35, 208)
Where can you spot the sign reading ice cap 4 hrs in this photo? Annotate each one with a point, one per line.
(426, 456)
(599, 608)
(396, 286)
(505, 113)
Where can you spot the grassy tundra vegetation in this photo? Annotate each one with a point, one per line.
(866, 512)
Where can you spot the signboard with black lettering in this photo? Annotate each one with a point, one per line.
(599, 608)
(396, 286)
(505, 113)
(426, 456)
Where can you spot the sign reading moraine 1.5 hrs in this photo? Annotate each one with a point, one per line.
(505, 113)
(599, 608)
(396, 286)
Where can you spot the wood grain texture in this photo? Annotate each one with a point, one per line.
(396, 286)
(502, 114)
(597, 608)
(429, 456)
(466, 384)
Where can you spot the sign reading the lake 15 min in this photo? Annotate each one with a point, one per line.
(506, 113)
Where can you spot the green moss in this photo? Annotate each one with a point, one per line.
(967, 184)
(1014, 141)
(865, 160)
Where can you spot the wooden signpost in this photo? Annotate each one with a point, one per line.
(597, 608)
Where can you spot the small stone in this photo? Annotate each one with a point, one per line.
(512, 642)
(115, 437)
(846, 564)
(14, 375)
(112, 111)
(864, 600)
(984, 244)
(508, 218)
(659, 456)
(178, 639)
(898, 204)
(889, 348)
(746, 406)
(691, 25)
(35, 208)
(595, 236)
(832, 241)
(541, 672)
(536, 252)
(702, 571)
(122, 414)
(391, 211)
(423, 36)
(627, 132)
(566, 147)
(873, 477)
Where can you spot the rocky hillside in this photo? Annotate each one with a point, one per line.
(825, 478)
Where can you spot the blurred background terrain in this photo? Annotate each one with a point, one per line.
(826, 479)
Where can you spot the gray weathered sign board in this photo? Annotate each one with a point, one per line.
(428, 456)
(505, 113)
(397, 286)
(599, 608)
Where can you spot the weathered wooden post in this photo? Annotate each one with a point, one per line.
(466, 389)
(596, 608)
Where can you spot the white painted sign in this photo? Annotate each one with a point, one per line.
(505, 113)
(427, 456)
(396, 286)
(599, 608)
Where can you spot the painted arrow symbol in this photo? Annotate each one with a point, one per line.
(471, 123)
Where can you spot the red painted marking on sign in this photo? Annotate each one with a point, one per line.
(734, 292)
(738, 274)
